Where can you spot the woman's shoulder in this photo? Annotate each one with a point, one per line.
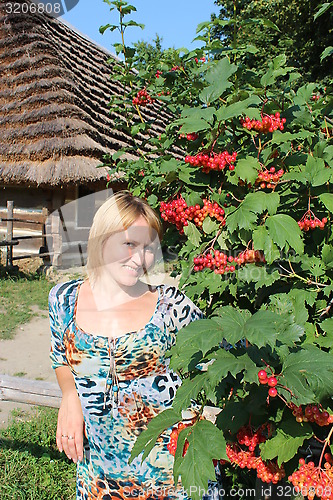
(61, 293)
(177, 298)
(181, 309)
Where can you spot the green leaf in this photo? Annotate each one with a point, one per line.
(218, 77)
(192, 233)
(231, 321)
(118, 154)
(110, 27)
(146, 440)
(230, 418)
(258, 275)
(244, 216)
(190, 125)
(327, 200)
(189, 389)
(326, 53)
(193, 199)
(206, 442)
(327, 325)
(304, 94)
(135, 129)
(197, 337)
(316, 171)
(284, 231)
(263, 328)
(210, 226)
(322, 8)
(167, 166)
(247, 169)
(152, 200)
(286, 137)
(134, 23)
(308, 374)
(237, 108)
(327, 255)
(284, 445)
(202, 25)
(241, 218)
(229, 362)
(263, 241)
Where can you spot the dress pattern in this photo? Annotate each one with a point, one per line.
(146, 386)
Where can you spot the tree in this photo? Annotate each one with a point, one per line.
(152, 55)
(297, 34)
(249, 208)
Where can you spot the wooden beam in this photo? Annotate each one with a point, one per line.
(33, 392)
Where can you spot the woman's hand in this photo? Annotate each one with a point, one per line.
(70, 426)
(70, 418)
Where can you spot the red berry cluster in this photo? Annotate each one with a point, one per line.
(203, 59)
(316, 97)
(248, 256)
(269, 178)
(310, 221)
(271, 381)
(312, 413)
(177, 212)
(158, 73)
(176, 68)
(142, 98)
(212, 161)
(220, 263)
(190, 137)
(246, 436)
(172, 444)
(268, 472)
(269, 123)
(312, 481)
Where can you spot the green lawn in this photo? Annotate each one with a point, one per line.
(31, 468)
(18, 292)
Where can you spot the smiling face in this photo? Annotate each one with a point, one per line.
(128, 254)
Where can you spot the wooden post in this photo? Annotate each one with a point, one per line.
(9, 236)
(56, 230)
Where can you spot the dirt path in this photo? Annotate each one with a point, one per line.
(26, 355)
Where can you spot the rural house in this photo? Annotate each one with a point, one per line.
(55, 122)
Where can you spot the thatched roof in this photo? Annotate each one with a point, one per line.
(55, 87)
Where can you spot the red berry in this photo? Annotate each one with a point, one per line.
(262, 374)
(272, 382)
(272, 392)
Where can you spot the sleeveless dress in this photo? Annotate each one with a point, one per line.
(144, 387)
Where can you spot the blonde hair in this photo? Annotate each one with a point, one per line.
(116, 214)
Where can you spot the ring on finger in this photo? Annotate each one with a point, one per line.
(70, 437)
(64, 436)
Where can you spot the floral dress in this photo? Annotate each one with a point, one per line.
(116, 410)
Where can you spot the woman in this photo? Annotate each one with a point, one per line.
(110, 333)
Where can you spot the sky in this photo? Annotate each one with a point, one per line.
(174, 20)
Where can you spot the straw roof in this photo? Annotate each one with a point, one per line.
(55, 87)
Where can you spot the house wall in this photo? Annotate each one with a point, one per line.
(36, 204)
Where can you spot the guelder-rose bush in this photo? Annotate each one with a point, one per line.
(248, 206)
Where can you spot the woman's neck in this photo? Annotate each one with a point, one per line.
(105, 291)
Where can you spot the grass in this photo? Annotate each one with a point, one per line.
(18, 292)
(31, 468)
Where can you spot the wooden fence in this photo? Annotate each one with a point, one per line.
(11, 240)
(32, 392)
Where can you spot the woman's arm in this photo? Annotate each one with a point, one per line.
(70, 418)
